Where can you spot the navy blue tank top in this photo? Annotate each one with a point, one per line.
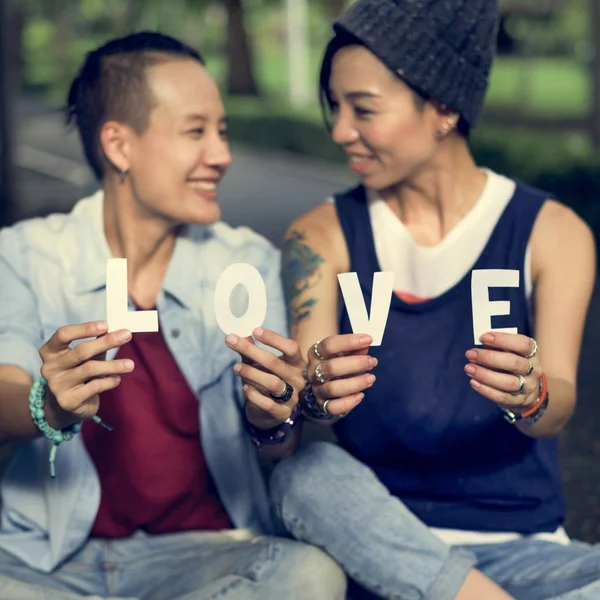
(439, 446)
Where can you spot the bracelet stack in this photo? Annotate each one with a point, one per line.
(56, 436)
(533, 414)
(309, 405)
(276, 435)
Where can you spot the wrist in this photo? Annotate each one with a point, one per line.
(56, 416)
(276, 434)
(526, 406)
(260, 421)
(534, 411)
(310, 407)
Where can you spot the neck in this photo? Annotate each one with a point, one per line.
(440, 194)
(146, 240)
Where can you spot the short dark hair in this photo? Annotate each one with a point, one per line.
(341, 40)
(112, 84)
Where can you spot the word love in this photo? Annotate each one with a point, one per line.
(372, 322)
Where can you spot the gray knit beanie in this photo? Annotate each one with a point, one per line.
(443, 48)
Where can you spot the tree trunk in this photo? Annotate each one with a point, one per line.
(335, 8)
(240, 73)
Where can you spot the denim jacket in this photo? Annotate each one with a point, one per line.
(53, 273)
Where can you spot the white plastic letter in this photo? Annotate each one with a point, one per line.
(117, 313)
(250, 278)
(483, 308)
(381, 298)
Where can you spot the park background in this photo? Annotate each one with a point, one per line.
(541, 125)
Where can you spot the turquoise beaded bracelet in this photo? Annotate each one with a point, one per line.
(56, 436)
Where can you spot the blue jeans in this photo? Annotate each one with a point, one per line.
(188, 566)
(325, 497)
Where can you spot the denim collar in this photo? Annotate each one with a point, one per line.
(90, 267)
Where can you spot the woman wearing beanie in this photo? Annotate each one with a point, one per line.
(450, 461)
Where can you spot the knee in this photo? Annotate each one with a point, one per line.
(315, 575)
(305, 472)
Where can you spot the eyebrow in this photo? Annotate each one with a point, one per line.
(200, 117)
(362, 96)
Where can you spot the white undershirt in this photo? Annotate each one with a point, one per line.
(429, 271)
(424, 272)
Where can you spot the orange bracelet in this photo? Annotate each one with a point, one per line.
(540, 400)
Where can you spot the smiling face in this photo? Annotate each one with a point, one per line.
(175, 165)
(377, 120)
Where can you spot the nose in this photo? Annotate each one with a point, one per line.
(343, 132)
(218, 155)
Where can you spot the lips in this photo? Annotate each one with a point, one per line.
(209, 186)
(205, 188)
(359, 163)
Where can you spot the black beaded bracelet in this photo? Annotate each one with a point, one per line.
(275, 435)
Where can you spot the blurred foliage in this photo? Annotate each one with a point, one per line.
(563, 163)
(564, 31)
(58, 33)
(543, 72)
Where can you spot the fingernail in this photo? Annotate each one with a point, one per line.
(129, 365)
(471, 355)
(237, 368)
(124, 335)
(475, 384)
(365, 339)
(470, 370)
(487, 338)
(232, 340)
(373, 362)
(370, 380)
(258, 332)
(361, 396)
(245, 387)
(101, 326)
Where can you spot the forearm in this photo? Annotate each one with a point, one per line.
(16, 423)
(560, 408)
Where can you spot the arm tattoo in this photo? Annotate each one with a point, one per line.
(300, 272)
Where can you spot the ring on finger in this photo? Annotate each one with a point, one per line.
(286, 395)
(521, 386)
(533, 350)
(529, 371)
(319, 374)
(325, 408)
(316, 350)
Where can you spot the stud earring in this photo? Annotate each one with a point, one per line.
(445, 128)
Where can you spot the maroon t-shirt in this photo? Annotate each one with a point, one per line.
(153, 475)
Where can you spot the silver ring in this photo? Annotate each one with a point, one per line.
(534, 351)
(316, 350)
(325, 408)
(319, 374)
(521, 387)
(530, 370)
